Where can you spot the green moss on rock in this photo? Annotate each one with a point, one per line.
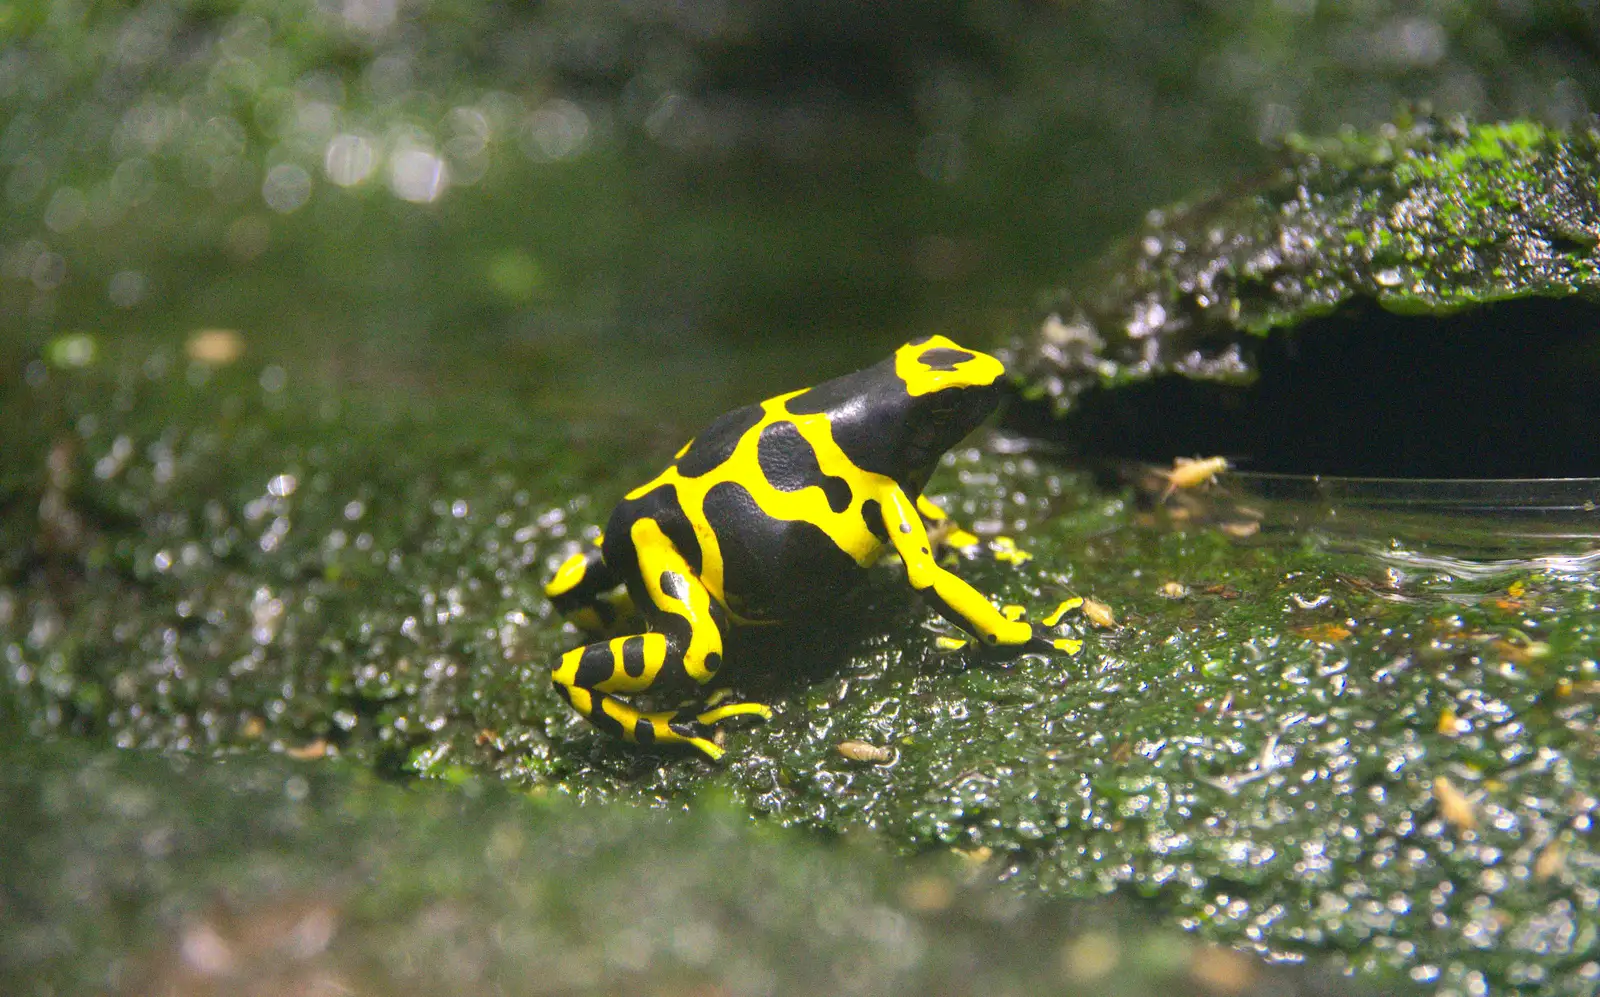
(1423, 217)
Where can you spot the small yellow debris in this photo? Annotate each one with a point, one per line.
(1005, 549)
(1521, 652)
(1068, 644)
(928, 894)
(861, 751)
(1099, 614)
(1222, 971)
(1173, 590)
(1551, 861)
(944, 643)
(1091, 956)
(309, 752)
(1450, 725)
(1516, 589)
(214, 347)
(254, 727)
(1454, 806)
(1327, 633)
(976, 856)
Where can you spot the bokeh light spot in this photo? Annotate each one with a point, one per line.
(126, 288)
(417, 175)
(559, 129)
(286, 188)
(350, 159)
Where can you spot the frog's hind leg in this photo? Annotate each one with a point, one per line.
(587, 592)
(588, 676)
(684, 648)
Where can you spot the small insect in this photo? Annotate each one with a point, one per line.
(1099, 614)
(1455, 806)
(861, 751)
(1192, 472)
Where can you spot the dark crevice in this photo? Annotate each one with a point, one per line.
(1500, 391)
(1566, 245)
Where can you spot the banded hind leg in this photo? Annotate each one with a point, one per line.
(684, 648)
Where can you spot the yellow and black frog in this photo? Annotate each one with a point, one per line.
(772, 513)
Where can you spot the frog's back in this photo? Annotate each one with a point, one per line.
(777, 507)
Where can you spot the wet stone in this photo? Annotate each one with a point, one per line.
(1414, 301)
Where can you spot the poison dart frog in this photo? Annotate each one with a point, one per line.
(770, 514)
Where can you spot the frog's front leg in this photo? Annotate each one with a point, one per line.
(586, 591)
(955, 600)
(685, 644)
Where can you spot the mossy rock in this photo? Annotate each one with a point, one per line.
(1309, 751)
(1436, 274)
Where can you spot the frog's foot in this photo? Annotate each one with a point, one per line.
(1069, 646)
(670, 727)
(587, 592)
(1035, 642)
(618, 718)
(1042, 643)
(693, 729)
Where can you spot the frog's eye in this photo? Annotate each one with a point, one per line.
(945, 406)
(942, 358)
(923, 438)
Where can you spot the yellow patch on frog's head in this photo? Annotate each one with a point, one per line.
(937, 363)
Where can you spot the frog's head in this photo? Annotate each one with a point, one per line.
(950, 389)
(897, 417)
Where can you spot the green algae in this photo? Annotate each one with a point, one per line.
(1425, 217)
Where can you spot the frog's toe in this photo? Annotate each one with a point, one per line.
(719, 713)
(705, 745)
(1054, 645)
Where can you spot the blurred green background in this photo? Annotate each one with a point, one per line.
(645, 211)
(326, 326)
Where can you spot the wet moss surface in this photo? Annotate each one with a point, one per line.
(1409, 301)
(135, 874)
(1365, 747)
